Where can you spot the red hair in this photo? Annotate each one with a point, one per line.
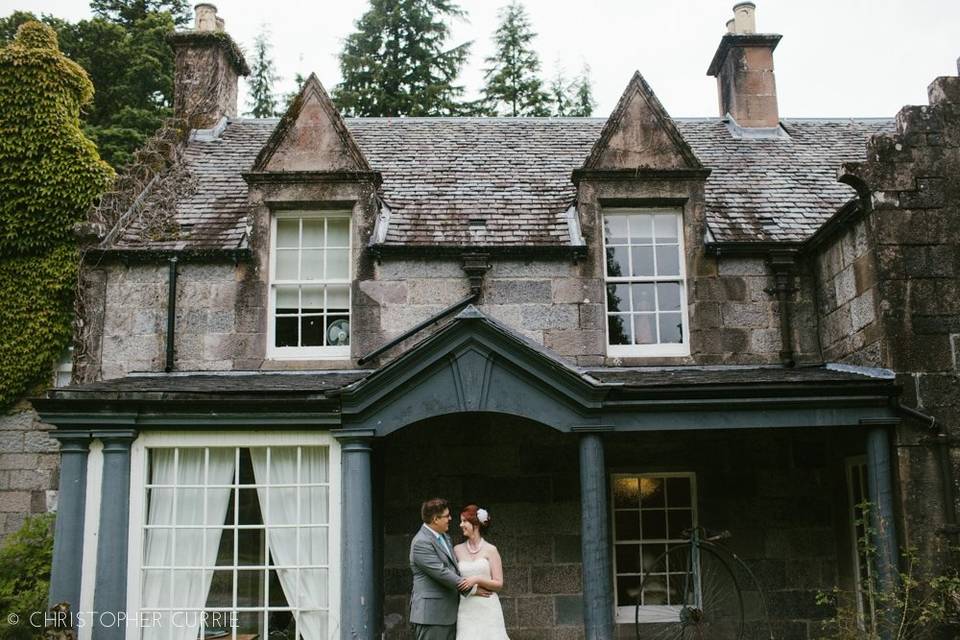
(469, 514)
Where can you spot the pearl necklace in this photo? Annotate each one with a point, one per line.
(479, 547)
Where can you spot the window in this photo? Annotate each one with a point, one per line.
(310, 285)
(63, 372)
(645, 276)
(650, 514)
(235, 542)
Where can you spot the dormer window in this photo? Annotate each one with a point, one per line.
(310, 276)
(646, 283)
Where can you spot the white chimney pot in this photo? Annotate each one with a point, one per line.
(205, 17)
(745, 17)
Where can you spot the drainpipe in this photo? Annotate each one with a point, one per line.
(171, 312)
(939, 437)
(783, 264)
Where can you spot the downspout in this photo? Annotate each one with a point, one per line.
(171, 312)
(783, 264)
(938, 434)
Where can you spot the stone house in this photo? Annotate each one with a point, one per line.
(606, 331)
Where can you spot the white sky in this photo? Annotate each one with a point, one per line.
(837, 57)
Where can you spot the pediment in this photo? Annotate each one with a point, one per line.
(472, 365)
(311, 136)
(639, 134)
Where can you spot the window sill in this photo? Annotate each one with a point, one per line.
(312, 354)
(648, 351)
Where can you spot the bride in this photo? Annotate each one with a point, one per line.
(479, 618)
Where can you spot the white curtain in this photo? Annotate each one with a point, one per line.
(307, 592)
(178, 547)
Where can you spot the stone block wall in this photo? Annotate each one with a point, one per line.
(913, 194)
(29, 468)
(847, 298)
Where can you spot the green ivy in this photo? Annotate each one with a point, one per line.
(50, 174)
(25, 561)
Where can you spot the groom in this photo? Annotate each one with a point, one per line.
(436, 579)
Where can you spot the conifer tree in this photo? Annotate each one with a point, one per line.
(262, 102)
(560, 95)
(397, 61)
(581, 97)
(513, 86)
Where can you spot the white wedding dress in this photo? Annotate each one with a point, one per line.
(479, 618)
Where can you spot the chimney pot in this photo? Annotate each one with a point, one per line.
(745, 17)
(205, 18)
(730, 25)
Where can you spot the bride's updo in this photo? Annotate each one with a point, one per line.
(478, 517)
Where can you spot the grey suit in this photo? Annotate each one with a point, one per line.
(436, 597)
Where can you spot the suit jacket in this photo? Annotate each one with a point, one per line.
(435, 596)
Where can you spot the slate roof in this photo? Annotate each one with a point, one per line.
(504, 181)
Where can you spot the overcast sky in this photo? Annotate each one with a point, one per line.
(837, 57)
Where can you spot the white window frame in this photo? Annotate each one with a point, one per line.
(307, 353)
(648, 613)
(648, 350)
(138, 481)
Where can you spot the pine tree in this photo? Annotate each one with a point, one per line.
(582, 103)
(560, 95)
(397, 62)
(262, 102)
(513, 86)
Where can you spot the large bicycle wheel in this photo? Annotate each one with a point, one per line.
(689, 593)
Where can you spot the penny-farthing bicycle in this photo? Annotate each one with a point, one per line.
(695, 591)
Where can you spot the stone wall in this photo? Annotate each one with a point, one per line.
(29, 465)
(846, 288)
(913, 207)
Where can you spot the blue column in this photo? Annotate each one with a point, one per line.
(595, 541)
(65, 574)
(110, 590)
(882, 519)
(358, 573)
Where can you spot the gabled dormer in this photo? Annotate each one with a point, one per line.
(313, 202)
(640, 196)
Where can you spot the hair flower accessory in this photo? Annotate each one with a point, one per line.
(483, 516)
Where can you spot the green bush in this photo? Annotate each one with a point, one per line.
(25, 576)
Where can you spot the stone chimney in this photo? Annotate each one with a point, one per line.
(208, 64)
(743, 67)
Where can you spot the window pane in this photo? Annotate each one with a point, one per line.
(338, 232)
(313, 545)
(287, 264)
(653, 559)
(338, 298)
(654, 524)
(221, 589)
(156, 590)
(310, 596)
(287, 232)
(287, 300)
(250, 623)
(225, 550)
(651, 492)
(668, 260)
(655, 590)
(645, 328)
(250, 588)
(627, 525)
(620, 329)
(678, 491)
(312, 299)
(338, 331)
(668, 296)
(665, 226)
(338, 264)
(182, 598)
(286, 329)
(189, 501)
(277, 598)
(615, 229)
(249, 507)
(642, 261)
(671, 328)
(314, 463)
(187, 546)
(617, 261)
(628, 558)
(250, 551)
(628, 588)
(626, 493)
(641, 229)
(313, 232)
(312, 268)
(311, 331)
(643, 297)
(678, 521)
(618, 297)
(160, 506)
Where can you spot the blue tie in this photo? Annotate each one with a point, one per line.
(443, 543)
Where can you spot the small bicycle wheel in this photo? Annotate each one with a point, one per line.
(689, 593)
